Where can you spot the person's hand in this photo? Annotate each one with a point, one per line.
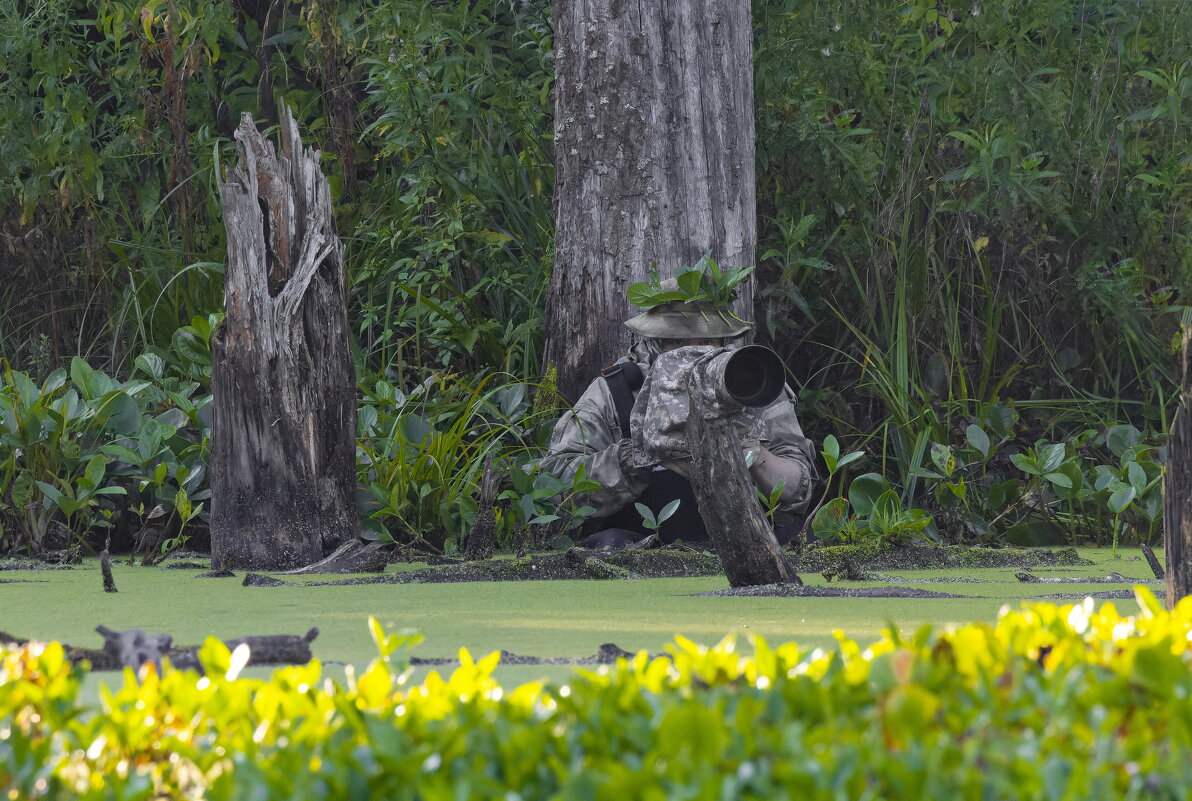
(754, 451)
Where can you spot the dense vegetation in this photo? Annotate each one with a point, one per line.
(975, 250)
(1051, 702)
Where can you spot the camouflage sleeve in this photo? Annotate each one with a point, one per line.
(590, 435)
(787, 441)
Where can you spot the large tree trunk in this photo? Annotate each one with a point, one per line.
(654, 152)
(1177, 490)
(283, 465)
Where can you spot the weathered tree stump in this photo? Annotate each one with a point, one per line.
(1177, 490)
(283, 444)
(736, 526)
(482, 540)
(105, 569)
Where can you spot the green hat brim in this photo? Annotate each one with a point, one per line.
(681, 320)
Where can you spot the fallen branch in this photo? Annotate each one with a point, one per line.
(1153, 561)
(356, 556)
(598, 568)
(1112, 578)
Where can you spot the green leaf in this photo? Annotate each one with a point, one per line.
(1003, 494)
(668, 510)
(1051, 457)
(1026, 463)
(647, 515)
(1137, 476)
(151, 364)
(689, 282)
(829, 520)
(54, 382)
(96, 468)
(1059, 479)
(85, 379)
(1121, 499)
(849, 458)
(943, 458)
(120, 413)
(413, 429)
(51, 493)
(978, 439)
(111, 491)
(1121, 438)
(865, 490)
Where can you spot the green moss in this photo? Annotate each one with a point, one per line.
(540, 618)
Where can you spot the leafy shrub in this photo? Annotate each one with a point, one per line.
(989, 487)
(420, 456)
(1050, 702)
(70, 446)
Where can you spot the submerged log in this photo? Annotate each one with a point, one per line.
(736, 526)
(283, 442)
(133, 648)
(1112, 578)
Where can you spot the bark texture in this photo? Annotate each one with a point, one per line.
(482, 540)
(1177, 490)
(283, 462)
(654, 155)
(736, 526)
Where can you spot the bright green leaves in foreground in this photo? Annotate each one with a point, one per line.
(1051, 702)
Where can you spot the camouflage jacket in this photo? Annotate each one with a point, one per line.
(590, 435)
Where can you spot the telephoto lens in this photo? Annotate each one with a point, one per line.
(752, 376)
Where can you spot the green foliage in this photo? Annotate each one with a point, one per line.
(451, 263)
(873, 514)
(654, 522)
(420, 455)
(706, 281)
(543, 500)
(962, 204)
(1097, 481)
(1051, 701)
(71, 445)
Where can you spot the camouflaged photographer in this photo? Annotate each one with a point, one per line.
(629, 428)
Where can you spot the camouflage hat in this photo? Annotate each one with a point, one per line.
(695, 319)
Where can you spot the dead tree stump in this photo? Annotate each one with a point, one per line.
(1177, 490)
(736, 526)
(482, 539)
(283, 442)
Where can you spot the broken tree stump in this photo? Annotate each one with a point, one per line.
(105, 568)
(723, 489)
(1177, 489)
(482, 540)
(283, 441)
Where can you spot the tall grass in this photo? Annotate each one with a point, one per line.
(987, 219)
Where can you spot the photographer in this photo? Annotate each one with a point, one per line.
(647, 465)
